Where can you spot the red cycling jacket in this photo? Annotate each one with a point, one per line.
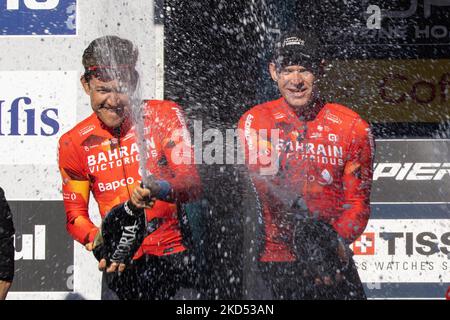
(327, 161)
(94, 158)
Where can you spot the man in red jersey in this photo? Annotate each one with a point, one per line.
(311, 165)
(101, 154)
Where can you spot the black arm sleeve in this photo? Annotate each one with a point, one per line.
(6, 240)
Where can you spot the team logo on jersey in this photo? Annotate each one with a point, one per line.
(333, 118)
(316, 152)
(247, 130)
(279, 115)
(86, 130)
(128, 136)
(332, 137)
(326, 178)
(92, 141)
(106, 143)
(119, 156)
(69, 196)
(322, 128)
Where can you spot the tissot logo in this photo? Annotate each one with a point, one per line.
(410, 250)
(423, 243)
(403, 243)
(365, 244)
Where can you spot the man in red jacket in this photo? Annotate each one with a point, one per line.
(311, 165)
(102, 155)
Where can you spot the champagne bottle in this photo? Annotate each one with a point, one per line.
(122, 231)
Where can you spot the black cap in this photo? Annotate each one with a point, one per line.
(297, 47)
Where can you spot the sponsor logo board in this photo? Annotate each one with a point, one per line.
(44, 252)
(409, 22)
(404, 250)
(392, 90)
(36, 108)
(38, 18)
(411, 171)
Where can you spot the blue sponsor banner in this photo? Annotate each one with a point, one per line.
(410, 211)
(406, 290)
(41, 18)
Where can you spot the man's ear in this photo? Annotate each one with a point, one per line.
(85, 85)
(273, 71)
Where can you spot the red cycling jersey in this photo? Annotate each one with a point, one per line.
(95, 158)
(327, 161)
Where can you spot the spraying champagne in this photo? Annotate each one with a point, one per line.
(125, 226)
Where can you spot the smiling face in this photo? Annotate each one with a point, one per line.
(296, 84)
(109, 100)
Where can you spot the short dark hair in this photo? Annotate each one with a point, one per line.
(109, 51)
(112, 53)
